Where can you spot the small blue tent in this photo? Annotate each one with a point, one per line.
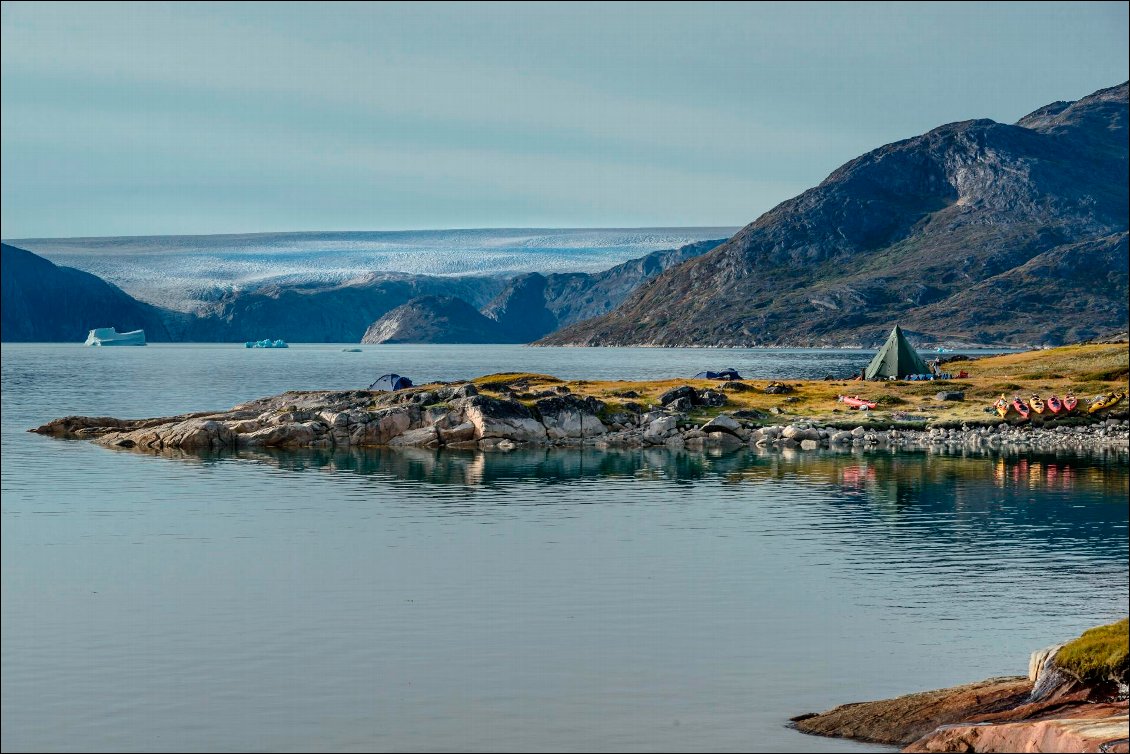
(389, 382)
(725, 374)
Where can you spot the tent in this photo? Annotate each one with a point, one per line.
(389, 382)
(896, 359)
(725, 374)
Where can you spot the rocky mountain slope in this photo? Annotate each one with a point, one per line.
(976, 232)
(435, 319)
(323, 313)
(534, 305)
(40, 301)
(519, 309)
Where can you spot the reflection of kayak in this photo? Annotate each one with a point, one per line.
(1069, 403)
(856, 402)
(1021, 407)
(1105, 401)
(1054, 405)
(1037, 404)
(1002, 406)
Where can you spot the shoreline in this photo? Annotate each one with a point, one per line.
(458, 416)
(1073, 698)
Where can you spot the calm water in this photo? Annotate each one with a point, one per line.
(534, 600)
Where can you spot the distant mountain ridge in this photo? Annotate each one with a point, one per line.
(976, 232)
(40, 301)
(344, 312)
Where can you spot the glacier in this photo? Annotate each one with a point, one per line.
(183, 273)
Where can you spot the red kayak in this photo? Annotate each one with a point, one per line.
(1069, 403)
(856, 402)
(1021, 407)
(1054, 405)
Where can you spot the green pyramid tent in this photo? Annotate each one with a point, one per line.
(897, 358)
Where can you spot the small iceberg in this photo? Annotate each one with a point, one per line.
(109, 336)
(266, 343)
(351, 350)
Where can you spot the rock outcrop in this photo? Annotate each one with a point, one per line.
(1051, 709)
(952, 233)
(456, 415)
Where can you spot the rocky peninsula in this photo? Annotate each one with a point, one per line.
(506, 411)
(1074, 698)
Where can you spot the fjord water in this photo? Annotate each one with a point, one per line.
(536, 600)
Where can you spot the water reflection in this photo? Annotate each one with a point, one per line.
(901, 478)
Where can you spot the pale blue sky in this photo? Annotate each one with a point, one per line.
(156, 118)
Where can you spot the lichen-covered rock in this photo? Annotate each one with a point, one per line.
(500, 419)
(675, 393)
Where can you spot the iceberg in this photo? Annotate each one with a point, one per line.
(109, 336)
(266, 343)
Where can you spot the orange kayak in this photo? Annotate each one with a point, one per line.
(856, 402)
(1037, 404)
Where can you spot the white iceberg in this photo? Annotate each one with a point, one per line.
(109, 336)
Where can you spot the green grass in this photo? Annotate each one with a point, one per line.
(1100, 654)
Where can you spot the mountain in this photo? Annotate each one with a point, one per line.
(435, 319)
(323, 313)
(182, 273)
(534, 304)
(976, 232)
(520, 309)
(40, 301)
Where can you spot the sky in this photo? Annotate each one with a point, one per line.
(155, 118)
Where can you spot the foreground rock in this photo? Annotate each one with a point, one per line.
(1062, 705)
(456, 415)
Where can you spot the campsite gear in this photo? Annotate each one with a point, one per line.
(390, 382)
(1054, 405)
(856, 402)
(962, 375)
(1037, 404)
(896, 359)
(1020, 407)
(1069, 403)
(1002, 406)
(725, 374)
(1105, 401)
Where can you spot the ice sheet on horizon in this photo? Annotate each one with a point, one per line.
(180, 272)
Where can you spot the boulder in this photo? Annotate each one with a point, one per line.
(659, 429)
(722, 423)
(424, 437)
(570, 417)
(712, 398)
(950, 395)
(494, 418)
(675, 393)
(464, 432)
(384, 425)
(681, 404)
(777, 388)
